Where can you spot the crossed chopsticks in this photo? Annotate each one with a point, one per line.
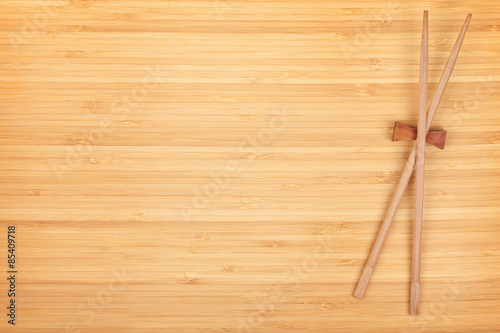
(416, 157)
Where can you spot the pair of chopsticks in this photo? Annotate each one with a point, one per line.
(417, 157)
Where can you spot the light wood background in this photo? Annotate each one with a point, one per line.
(99, 188)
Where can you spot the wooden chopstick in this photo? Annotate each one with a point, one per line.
(420, 169)
(405, 178)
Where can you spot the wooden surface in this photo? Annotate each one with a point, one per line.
(225, 166)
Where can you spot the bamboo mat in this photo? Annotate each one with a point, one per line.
(225, 165)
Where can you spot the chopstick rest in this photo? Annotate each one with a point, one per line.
(403, 132)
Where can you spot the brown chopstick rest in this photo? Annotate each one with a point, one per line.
(402, 132)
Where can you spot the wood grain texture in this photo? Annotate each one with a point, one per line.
(225, 166)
